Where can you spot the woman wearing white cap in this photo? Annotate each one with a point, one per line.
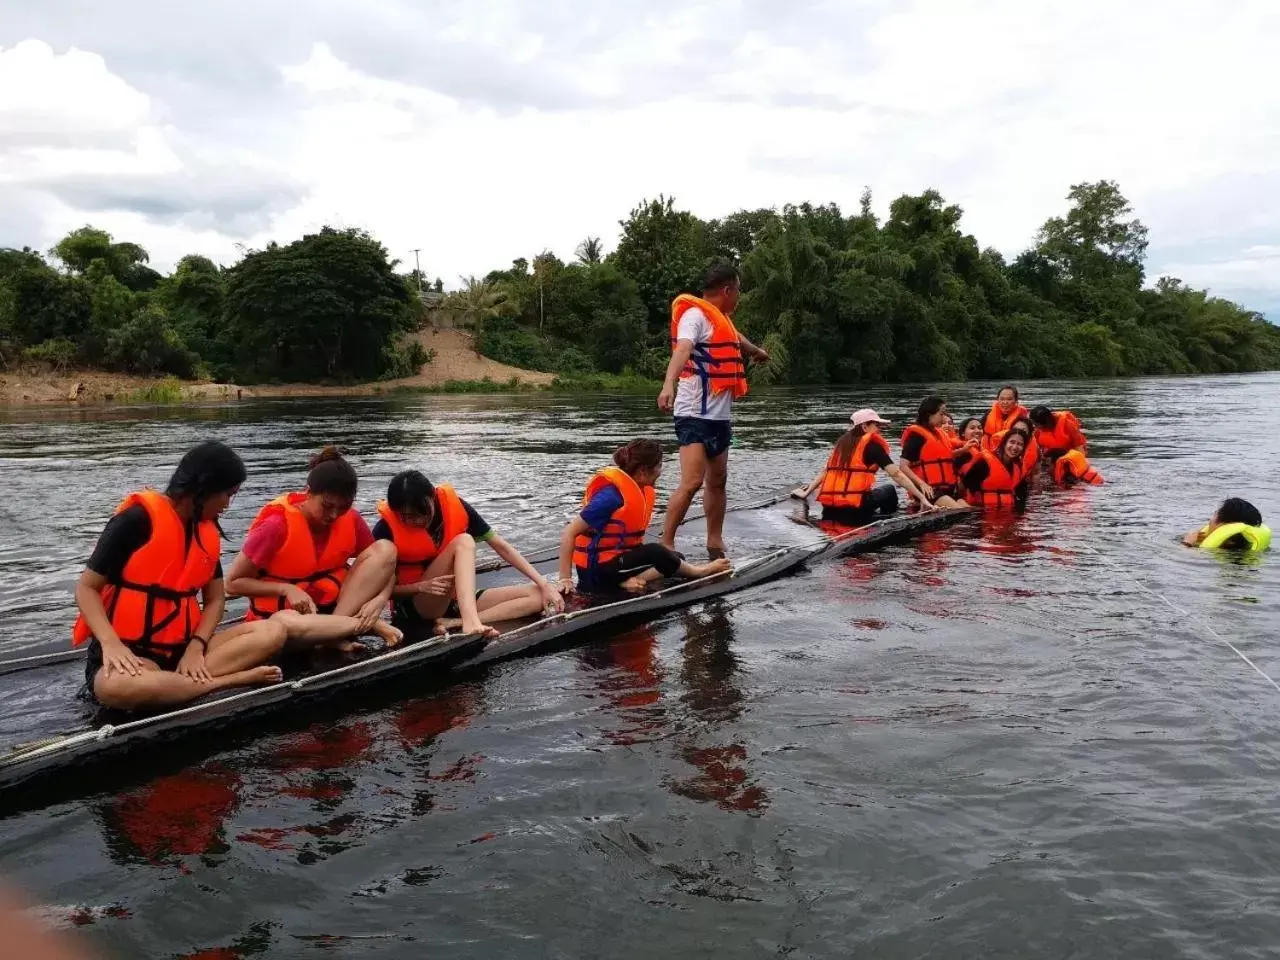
(846, 486)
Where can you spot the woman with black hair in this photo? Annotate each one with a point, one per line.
(152, 643)
(1000, 417)
(929, 450)
(1236, 525)
(605, 542)
(435, 533)
(310, 561)
(847, 487)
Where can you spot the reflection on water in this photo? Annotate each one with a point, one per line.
(995, 740)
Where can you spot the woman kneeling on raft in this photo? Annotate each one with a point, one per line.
(151, 643)
(846, 486)
(435, 533)
(1237, 525)
(296, 565)
(605, 542)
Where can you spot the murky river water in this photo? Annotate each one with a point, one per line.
(998, 741)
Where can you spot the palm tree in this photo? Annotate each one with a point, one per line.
(476, 302)
(590, 251)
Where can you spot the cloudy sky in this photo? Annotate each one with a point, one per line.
(485, 130)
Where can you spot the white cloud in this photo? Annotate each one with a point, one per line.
(485, 132)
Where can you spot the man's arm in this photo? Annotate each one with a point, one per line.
(679, 357)
(749, 349)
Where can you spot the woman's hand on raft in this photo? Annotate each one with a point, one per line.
(298, 599)
(116, 656)
(552, 595)
(437, 586)
(192, 665)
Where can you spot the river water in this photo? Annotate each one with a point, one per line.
(1001, 740)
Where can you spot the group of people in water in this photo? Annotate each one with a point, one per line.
(153, 594)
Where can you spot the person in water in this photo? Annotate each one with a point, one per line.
(1236, 525)
(1031, 452)
(997, 480)
(310, 561)
(435, 533)
(707, 372)
(605, 542)
(152, 643)
(847, 484)
(928, 450)
(1004, 411)
(1057, 432)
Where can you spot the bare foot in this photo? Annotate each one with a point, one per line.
(715, 566)
(715, 552)
(265, 674)
(634, 585)
(389, 634)
(481, 629)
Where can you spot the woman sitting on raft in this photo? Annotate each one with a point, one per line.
(1237, 525)
(1004, 411)
(435, 533)
(605, 542)
(151, 642)
(846, 486)
(296, 564)
(928, 450)
(997, 480)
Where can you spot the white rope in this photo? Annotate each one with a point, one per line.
(1191, 616)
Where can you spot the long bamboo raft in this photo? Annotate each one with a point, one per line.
(780, 543)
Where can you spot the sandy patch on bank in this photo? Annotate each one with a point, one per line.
(456, 359)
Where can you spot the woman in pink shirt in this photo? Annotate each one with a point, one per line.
(310, 561)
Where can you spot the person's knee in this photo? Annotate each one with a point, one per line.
(289, 621)
(465, 543)
(382, 552)
(274, 633)
(117, 692)
(717, 480)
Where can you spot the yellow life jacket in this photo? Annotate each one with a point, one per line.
(1258, 538)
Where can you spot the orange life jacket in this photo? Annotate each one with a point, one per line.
(845, 485)
(296, 561)
(997, 489)
(155, 601)
(622, 531)
(718, 362)
(997, 422)
(415, 548)
(1077, 466)
(1065, 435)
(935, 466)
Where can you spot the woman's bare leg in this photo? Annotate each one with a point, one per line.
(164, 688)
(948, 503)
(499, 605)
(243, 646)
(458, 559)
(372, 574)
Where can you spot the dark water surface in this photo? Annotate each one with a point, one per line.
(992, 742)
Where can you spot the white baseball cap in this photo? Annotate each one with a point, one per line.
(866, 415)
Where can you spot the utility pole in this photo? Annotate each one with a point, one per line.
(417, 264)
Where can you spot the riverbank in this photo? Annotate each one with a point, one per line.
(455, 367)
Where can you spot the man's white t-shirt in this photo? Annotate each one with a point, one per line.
(695, 326)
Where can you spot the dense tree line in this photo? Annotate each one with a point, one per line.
(834, 299)
(839, 299)
(327, 306)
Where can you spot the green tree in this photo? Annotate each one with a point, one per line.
(664, 250)
(590, 251)
(325, 306)
(477, 302)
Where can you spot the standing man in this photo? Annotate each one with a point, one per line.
(705, 373)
